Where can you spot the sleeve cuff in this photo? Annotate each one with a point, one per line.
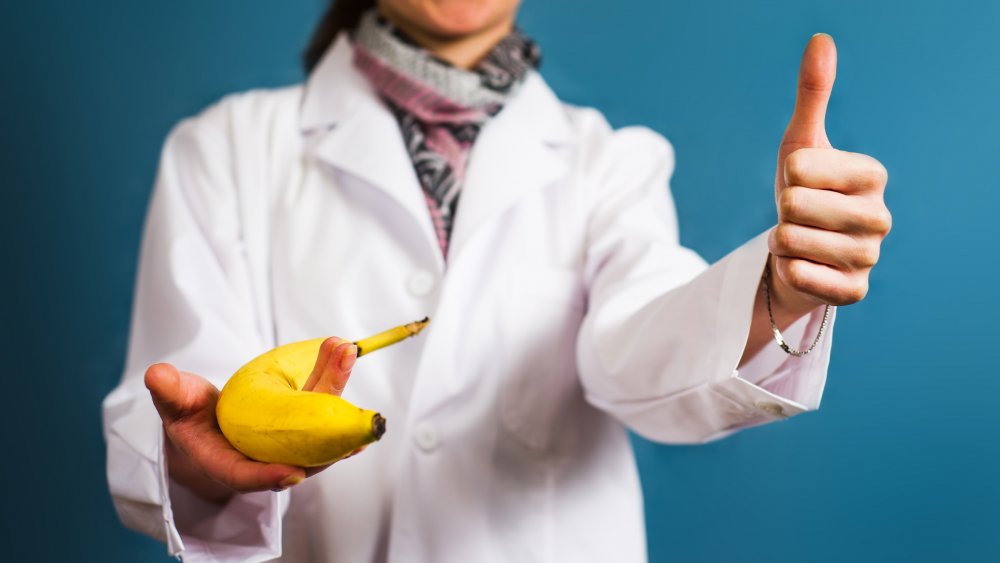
(696, 394)
(247, 528)
(798, 379)
(772, 385)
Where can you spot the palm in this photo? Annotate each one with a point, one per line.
(186, 403)
(198, 453)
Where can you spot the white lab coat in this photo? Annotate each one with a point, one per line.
(568, 311)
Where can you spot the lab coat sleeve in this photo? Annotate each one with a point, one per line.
(194, 307)
(663, 335)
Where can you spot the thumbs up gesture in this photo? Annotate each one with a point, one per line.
(831, 211)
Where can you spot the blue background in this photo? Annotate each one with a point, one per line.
(898, 465)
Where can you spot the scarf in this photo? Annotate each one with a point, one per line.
(440, 108)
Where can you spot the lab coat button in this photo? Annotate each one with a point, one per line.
(425, 436)
(773, 409)
(421, 283)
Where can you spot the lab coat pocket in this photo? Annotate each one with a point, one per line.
(543, 310)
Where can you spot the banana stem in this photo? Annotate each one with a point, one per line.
(378, 426)
(390, 337)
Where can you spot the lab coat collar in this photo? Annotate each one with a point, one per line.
(336, 91)
(349, 129)
(353, 131)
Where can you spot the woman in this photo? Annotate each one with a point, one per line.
(426, 168)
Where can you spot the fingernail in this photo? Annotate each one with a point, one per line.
(350, 355)
(823, 34)
(291, 480)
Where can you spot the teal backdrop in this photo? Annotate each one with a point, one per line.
(898, 465)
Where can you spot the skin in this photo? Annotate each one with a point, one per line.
(832, 216)
(458, 31)
(831, 222)
(198, 454)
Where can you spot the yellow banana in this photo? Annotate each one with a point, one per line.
(265, 415)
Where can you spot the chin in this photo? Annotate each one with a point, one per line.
(454, 18)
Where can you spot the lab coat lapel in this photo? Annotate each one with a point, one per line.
(351, 130)
(516, 153)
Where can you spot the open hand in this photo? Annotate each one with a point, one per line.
(200, 457)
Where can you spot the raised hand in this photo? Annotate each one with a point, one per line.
(832, 216)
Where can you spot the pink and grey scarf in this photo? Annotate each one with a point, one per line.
(440, 108)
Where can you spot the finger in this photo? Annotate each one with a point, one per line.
(823, 283)
(208, 449)
(831, 169)
(841, 251)
(245, 475)
(310, 471)
(323, 360)
(817, 72)
(176, 394)
(338, 370)
(833, 211)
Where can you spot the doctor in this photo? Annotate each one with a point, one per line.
(426, 168)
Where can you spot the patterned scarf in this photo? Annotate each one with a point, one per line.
(440, 108)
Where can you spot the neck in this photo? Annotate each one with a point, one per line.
(463, 51)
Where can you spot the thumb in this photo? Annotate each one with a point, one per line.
(817, 73)
(176, 394)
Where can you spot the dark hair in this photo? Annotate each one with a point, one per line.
(341, 15)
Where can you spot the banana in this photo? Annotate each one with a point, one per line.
(265, 415)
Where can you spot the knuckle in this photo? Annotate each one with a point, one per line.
(874, 219)
(882, 173)
(814, 84)
(883, 221)
(797, 275)
(855, 293)
(790, 203)
(874, 175)
(784, 238)
(866, 255)
(849, 293)
(795, 165)
(868, 178)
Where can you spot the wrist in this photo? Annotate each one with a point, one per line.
(790, 314)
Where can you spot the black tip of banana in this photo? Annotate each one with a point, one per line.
(378, 425)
